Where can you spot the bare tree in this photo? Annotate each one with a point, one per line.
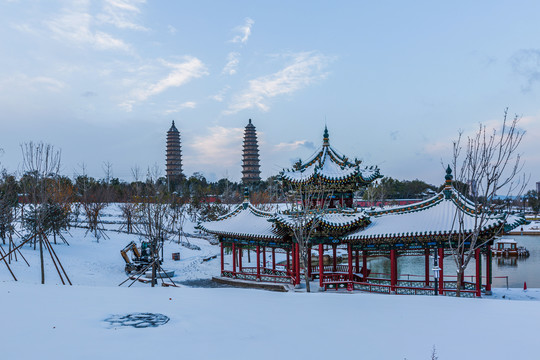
(41, 164)
(153, 219)
(489, 162)
(307, 203)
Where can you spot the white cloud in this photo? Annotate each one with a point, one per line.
(245, 32)
(291, 146)
(171, 29)
(28, 83)
(220, 96)
(75, 25)
(180, 74)
(179, 107)
(233, 59)
(305, 69)
(221, 147)
(122, 14)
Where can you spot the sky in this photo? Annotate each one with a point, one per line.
(395, 82)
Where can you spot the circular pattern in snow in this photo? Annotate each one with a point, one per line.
(138, 320)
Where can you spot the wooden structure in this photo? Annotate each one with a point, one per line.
(423, 229)
(250, 157)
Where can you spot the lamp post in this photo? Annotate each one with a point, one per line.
(436, 271)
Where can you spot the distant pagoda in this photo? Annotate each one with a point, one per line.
(174, 155)
(250, 160)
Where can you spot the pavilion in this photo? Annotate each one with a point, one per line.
(421, 229)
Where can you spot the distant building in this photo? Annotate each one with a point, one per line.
(250, 158)
(173, 156)
(538, 187)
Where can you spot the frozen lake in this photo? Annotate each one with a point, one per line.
(518, 270)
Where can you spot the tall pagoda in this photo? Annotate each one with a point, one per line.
(173, 155)
(250, 157)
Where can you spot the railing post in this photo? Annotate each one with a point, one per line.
(321, 265)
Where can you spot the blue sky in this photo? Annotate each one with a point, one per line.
(394, 81)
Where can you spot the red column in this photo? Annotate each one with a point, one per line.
(240, 253)
(309, 262)
(441, 273)
(233, 259)
(321, 265)
(392, 268)
(334, 257)
(357, 261)
(273, 258)
(426, 265)
(297, 264)
(350, 263)
(258, 262)
(222, 262)
(264, 257)
(364, 265)
(488, 270)
(478, 272)
(293, 265)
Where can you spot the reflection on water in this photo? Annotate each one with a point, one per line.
(518, 270)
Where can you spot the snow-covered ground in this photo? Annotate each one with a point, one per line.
(52, 321)
(532, 229)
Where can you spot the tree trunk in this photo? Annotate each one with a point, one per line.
(41, 259)
(459, 274)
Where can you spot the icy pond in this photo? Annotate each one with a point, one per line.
(518, 270)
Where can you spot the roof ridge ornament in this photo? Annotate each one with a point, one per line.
(448, 183)
(326, 138)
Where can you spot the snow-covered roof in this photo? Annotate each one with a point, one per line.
(331, 218)
(244, 221)
(330, 165)
(506, 241)
(513, 221)
(438, 215)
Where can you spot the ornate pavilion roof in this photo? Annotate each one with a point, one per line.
(245, 221)
(332, 167)
(337, 221)
(437, 216)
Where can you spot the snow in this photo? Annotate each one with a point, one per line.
(439, 217)
(52, 321)
(224, 323)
